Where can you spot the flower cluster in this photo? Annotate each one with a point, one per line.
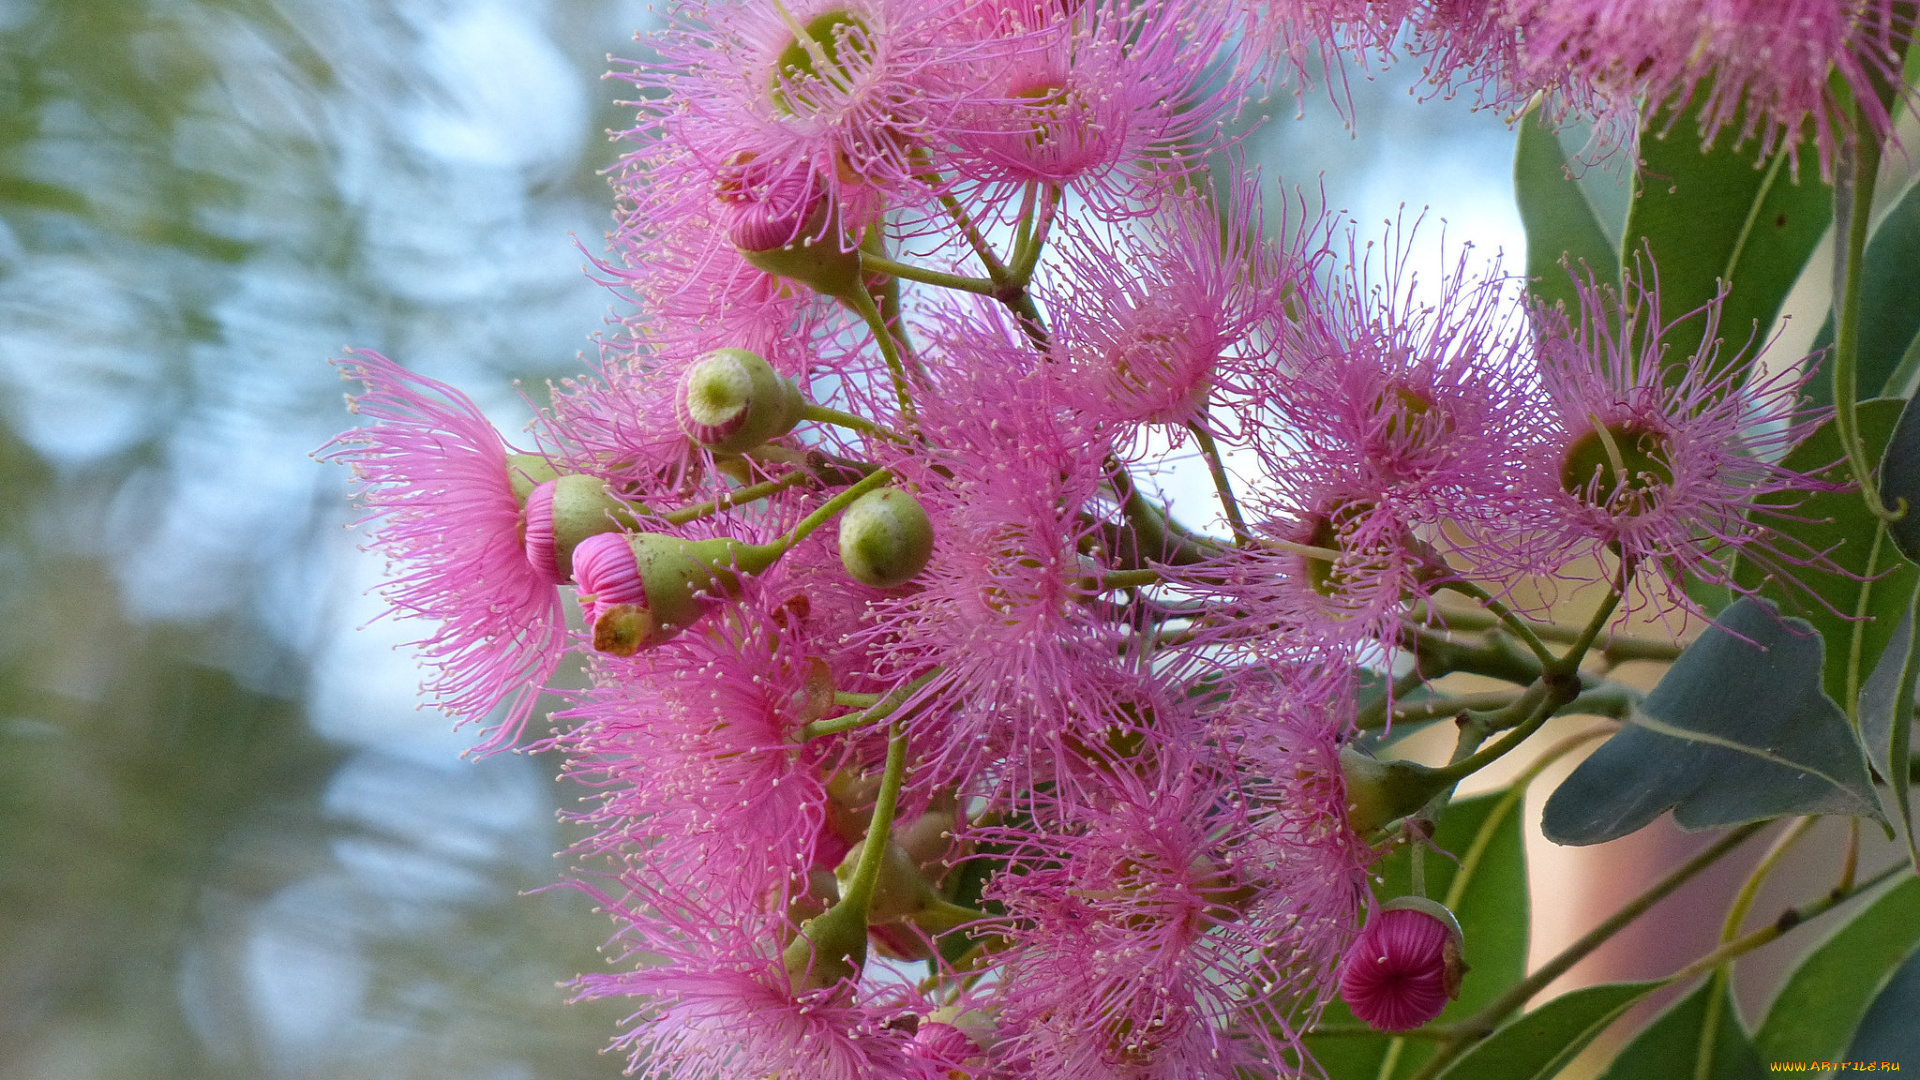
(924, 740)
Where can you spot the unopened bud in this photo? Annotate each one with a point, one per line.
(732, 400)
(640, 589)
(947, 1048)
(885, 538)
(1380, 792)
(1405, 965)
(561, 513)
(806, 247)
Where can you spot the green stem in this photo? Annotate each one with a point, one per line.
(1027, 256)
(875, 711)
(1542, 701)
(1729, 930)
(1123, 579)
(1850, 864)
(736, 497)
(1609, 700)
(996, 270)
(877, 264)
(1786, 921)
(1508, 619)
(1570, 663)
(1853, 210)
(806, 525)
(1500, 657)
(1354, 1031)
(1749, 892)
(821, 414)
(1614, 647)
(1483, 1023)
(1157, 536)
(1221, 483)
(862, 303)
(866, 873)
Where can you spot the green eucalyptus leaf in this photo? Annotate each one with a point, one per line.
(1738, 730)
(1857, 603)
(1905, 377)
(1817, 1010)
(1720, 215)
(1538, 1045)
(1886, 717)
(1889, 303)
(1888, 1033)
(1484, 833)
(1670, 1047)
(1563, 231)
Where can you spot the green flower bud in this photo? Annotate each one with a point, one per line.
(1381, 792)
(658, 586)
(885, 538)
(901, 889)
(732, 400)
(902, 892)
(565, 511)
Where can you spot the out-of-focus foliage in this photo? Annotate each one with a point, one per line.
(228, 846)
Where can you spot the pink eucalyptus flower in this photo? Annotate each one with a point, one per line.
(717, 1003)
(1007, 611)
(1415, 398)
(1146, 937)
(694, 749)
(1759, 68)
(1654, 459)
(1110, 100)
(434, 475)
(1150, 313)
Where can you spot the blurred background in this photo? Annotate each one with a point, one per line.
(230, 845)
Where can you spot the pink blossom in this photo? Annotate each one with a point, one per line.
(693, 747)
(1146, 939)
(1007, 610)
(1659, 460)
(1757, 68)
(717, 1004)
(434, 476)
(1414, 397)
(1148, 314)
(1106, 99)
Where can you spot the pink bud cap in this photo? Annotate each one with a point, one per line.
(1402, 970)
(767, 226)
(945, 1046)
(537, 520)
(607, 575)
